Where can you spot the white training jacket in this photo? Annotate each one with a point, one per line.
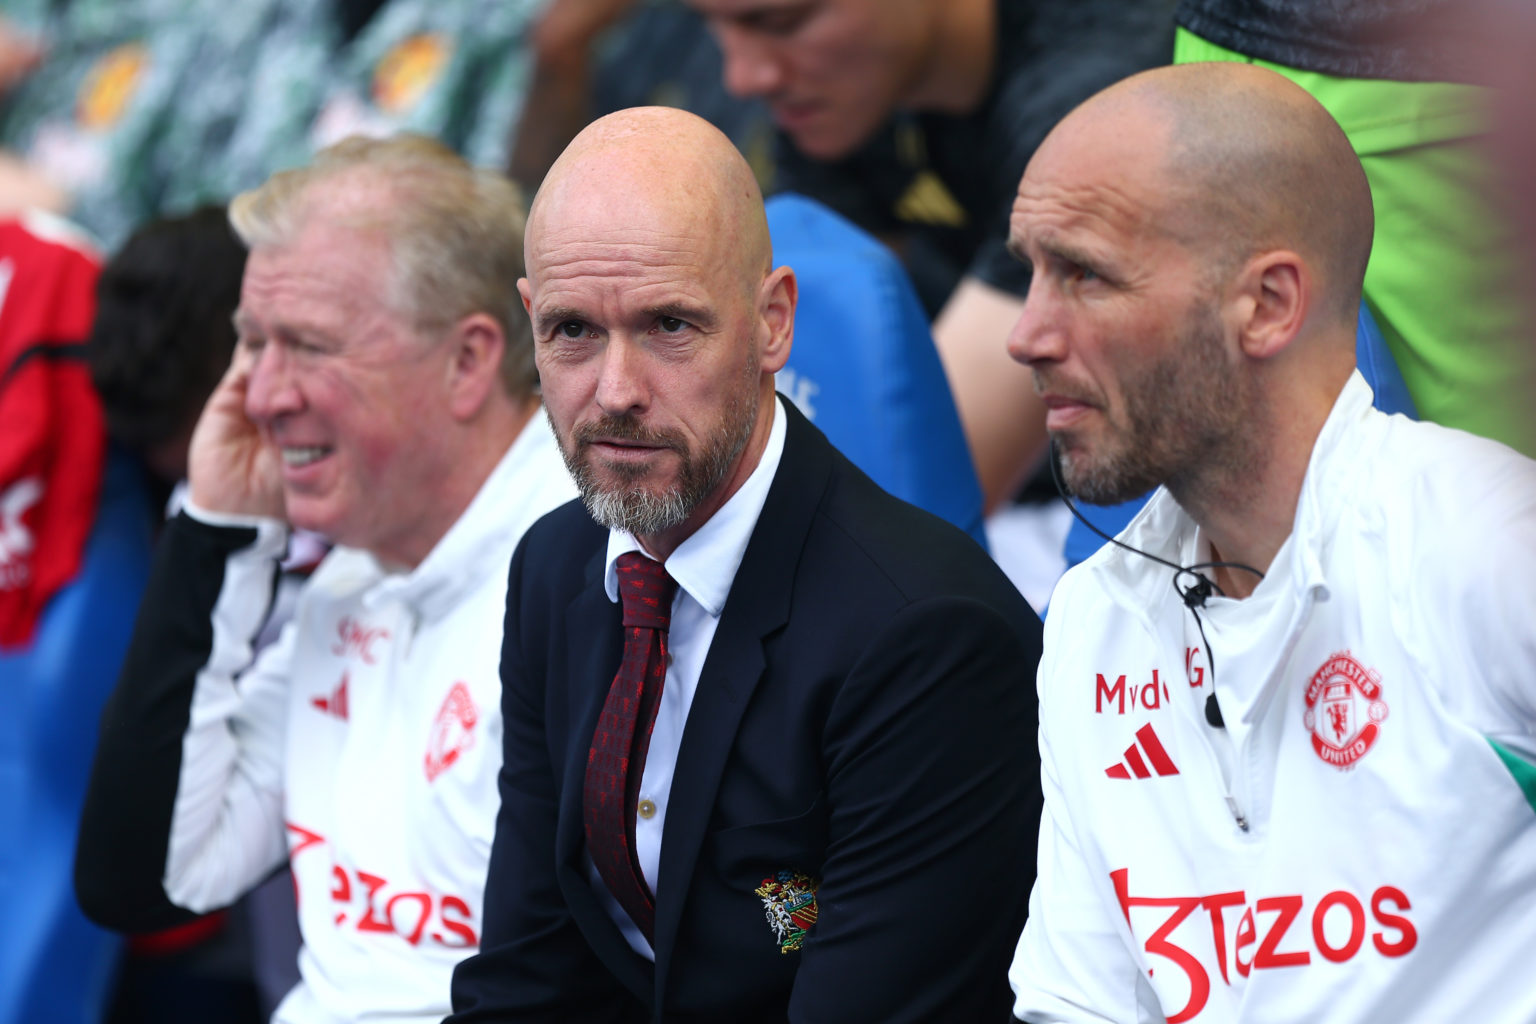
(363, 746)
(1358, 843)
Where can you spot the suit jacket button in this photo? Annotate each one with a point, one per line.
(646, 810)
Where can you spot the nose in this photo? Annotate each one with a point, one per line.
(271, 387)
(751, 67)
(1040, 333)
(621, 386)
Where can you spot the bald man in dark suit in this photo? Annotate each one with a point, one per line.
(833, 815)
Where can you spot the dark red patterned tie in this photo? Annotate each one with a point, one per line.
(616, 761)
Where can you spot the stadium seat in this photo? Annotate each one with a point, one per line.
(864, 368)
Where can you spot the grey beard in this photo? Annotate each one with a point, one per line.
(643, 513)
(638, 512)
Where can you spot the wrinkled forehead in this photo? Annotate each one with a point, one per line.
(310, 254)
(1104, 174)
(1090, 220)
(616, 217)
(624, 263)
(595, 211)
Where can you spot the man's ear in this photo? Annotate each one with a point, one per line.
(475, 345)
(776, 300)
(1271, 298)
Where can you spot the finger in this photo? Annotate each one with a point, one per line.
(236, 380)
(228, 396)
(243, 361)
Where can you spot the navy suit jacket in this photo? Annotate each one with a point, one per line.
(865, 721)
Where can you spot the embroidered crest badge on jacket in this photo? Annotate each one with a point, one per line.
(789, 902)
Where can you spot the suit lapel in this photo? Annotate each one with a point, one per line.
(594, 633)
(758, 606)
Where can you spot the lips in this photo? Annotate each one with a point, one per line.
(618, 450)
(305, 466)
(789, 114)
(624, 437)
(1062, 412)
(297, 457)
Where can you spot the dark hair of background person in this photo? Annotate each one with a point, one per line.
(163, 334)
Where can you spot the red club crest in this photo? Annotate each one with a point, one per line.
(453, 732)
(1344, 710)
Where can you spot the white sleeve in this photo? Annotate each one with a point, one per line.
(227, 830)
(1072, 964)
(1507, 612)
(1478, 609)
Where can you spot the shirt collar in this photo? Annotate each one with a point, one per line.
(705, 564)
(1164, 529)
(1332, 473)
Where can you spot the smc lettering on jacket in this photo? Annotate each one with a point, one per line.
(399, 850)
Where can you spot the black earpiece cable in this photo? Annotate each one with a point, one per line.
(1193, 594)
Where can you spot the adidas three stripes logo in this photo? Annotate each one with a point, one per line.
(1136, 766)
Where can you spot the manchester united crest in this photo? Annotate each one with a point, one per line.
(789, 901)
(1344, 710)
(453, 732)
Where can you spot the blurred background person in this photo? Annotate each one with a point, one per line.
(163, 334)
(74, 551)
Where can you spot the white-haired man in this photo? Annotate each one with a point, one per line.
(383, 395)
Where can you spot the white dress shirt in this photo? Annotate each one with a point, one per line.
(704, 567)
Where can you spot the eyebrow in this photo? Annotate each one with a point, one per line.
(246, 326)
(556, 315)
(696, 315)
(1053, 245)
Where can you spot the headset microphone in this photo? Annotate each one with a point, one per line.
(1193, 594)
